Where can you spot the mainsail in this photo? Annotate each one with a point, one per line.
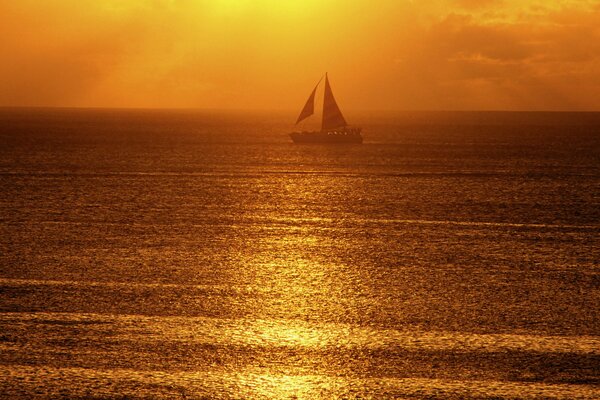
(332, 116)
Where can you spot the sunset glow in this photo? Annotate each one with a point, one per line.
(264, 54)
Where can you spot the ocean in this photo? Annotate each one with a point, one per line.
(185, 254)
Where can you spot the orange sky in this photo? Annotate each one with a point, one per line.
(254, 54)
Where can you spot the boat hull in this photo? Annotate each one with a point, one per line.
(334, 137)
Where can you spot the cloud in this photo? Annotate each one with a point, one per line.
(548, 59)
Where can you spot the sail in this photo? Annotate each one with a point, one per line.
(332, 116)
(309, 107)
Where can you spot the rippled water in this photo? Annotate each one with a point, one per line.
(151, 254)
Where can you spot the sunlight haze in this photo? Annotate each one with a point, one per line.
(267, 54)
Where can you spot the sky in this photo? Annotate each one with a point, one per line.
(269, 54)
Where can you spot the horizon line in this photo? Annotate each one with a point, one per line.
(216, 109)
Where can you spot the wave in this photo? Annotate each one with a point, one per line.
(297, 334)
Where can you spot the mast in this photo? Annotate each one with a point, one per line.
(332, 115)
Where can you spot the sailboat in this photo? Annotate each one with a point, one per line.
(334, 128)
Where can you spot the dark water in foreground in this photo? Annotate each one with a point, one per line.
(203, 255)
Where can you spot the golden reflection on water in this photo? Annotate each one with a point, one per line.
(453, 268)
(88, 383)
(278, 386)
(299, 280)
(306, 282)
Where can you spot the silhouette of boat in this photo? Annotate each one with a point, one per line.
(334, 128)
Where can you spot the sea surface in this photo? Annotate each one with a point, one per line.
(189, 254)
